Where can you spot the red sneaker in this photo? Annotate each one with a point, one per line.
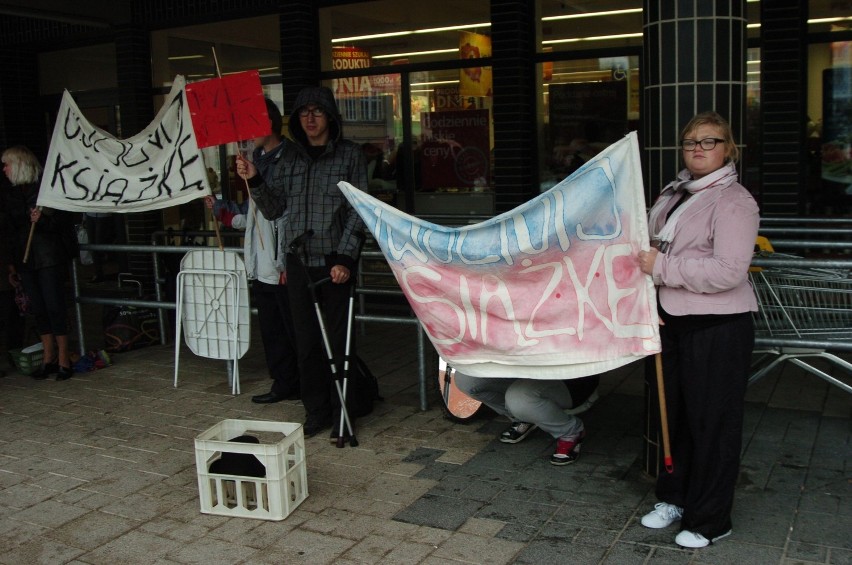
(567, 450)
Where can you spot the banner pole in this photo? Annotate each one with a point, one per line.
(664, 418)
(30, 238)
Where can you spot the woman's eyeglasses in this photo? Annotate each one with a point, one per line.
(706, 144)
(315, 112)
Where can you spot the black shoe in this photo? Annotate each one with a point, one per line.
(268, 398)
(45, 371)
(313, 426)
(272, 396)
(64, 373)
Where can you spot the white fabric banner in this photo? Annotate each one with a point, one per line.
(549, 290)
(89, 170)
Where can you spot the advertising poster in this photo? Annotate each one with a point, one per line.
(474, 81)
(347, 58)
(455, 149)
(448, 98)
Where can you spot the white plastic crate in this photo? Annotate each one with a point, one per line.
(281, 451)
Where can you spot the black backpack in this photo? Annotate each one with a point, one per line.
(362, 390)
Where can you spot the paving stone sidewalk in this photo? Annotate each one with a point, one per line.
(100, 469)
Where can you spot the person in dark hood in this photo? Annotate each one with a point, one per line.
(322, 236)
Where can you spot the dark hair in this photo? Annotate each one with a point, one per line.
(274, 117)
(732, 152)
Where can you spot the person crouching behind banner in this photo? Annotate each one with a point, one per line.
(303, 185)
(551, 405)
(46, 269)
(703, 228)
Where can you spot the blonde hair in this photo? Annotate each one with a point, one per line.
(23, 164)
(732, 152)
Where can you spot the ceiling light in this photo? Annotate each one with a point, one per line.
(594, 38)
(184, 57)
(434, 82)
(373, 36)
(415, 53)
(828, 20)
(593, 14)
(407, 32)
(451, 28)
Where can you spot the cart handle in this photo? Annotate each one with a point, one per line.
(322, 281)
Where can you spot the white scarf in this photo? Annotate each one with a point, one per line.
(720, 178)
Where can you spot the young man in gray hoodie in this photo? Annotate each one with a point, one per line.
(302, 187)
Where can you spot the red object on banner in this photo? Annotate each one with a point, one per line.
(228, 109)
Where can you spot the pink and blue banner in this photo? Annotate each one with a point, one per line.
(549, 290)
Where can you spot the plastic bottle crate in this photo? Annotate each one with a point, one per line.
(281, 451)
(27, 363)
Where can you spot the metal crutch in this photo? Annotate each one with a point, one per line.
(295, 246)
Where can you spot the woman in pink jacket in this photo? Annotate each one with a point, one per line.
(703, 227)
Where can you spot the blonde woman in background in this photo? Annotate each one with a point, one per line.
(44, 274)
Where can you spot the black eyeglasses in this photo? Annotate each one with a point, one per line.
(315, 112)
(706, 144)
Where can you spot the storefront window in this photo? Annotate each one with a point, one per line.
(387, 32)
(453, 141)
(829, 127)
(589, 24)
(370, 108)
(586, 105)
(753, 140)
(829, 16)
(79, 69)
(203, 52)
(442, 145)
(195, 51)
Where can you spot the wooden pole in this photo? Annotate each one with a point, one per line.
(29, 242)
(664, 418)
(30, 238)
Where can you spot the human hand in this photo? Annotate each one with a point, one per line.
(208, 201)
(245, 168)
(339, 274)
(647, 259)
(14, 279)
(35, 214)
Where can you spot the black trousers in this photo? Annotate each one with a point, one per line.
(12, 324)
(46, 289)
(317, 388)
(706, 373)
(278, 335)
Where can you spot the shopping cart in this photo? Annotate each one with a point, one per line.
(803, 313)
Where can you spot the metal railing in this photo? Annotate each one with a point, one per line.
(161, 305)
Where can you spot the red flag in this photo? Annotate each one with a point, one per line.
(228, 109)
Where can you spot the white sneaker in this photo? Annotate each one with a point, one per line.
(662, 516)
(694, 540)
